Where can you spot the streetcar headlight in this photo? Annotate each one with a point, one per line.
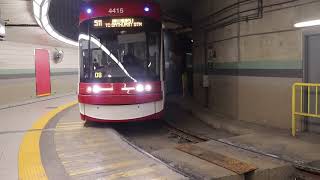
(89, 89)
(139, 88)
(148, 87)
(96, 89)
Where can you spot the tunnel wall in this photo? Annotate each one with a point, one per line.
(257, 60)
(17, 68)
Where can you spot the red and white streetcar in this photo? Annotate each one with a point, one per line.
(121, 64)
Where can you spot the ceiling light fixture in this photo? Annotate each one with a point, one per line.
(307, 23)
(40, 12)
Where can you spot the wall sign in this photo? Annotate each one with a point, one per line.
(205, 81)
(211, 57)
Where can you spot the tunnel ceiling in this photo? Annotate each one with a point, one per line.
(64, 14)
(21, 25)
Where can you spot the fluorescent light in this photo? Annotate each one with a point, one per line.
(45, 8)
(38, 1)
(40, 12)
(308, 23)
(2, 30)
(36, 9)
(45, 22)
(38, 21)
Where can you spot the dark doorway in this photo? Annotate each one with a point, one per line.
(312, 75)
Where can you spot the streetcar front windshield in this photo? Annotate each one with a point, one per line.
(120, 50)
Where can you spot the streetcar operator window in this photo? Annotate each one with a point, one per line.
(119, 54)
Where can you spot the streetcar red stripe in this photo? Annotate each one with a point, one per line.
(155, 116)
(119, 99)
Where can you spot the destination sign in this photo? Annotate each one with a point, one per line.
(117, 23)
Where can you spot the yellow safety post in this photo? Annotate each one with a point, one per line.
(301, 99)
(308, 98)
(293, 128)
(316, 100)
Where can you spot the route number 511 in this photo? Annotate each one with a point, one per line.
(116, 11)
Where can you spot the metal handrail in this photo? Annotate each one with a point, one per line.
(304, 110)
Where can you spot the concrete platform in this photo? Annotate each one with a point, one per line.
(86, 151)
(16, 120)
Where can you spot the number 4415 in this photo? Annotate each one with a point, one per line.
(116, 10)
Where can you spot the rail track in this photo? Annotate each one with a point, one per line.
(184, 136)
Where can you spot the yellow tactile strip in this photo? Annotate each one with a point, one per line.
(30, 165)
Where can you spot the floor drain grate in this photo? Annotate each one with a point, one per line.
(51, 107)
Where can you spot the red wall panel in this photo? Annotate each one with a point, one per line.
(42, 70)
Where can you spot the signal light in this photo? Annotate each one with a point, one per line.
(146, 9)
(89, 89)
(89, 11)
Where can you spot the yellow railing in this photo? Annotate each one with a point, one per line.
(304, 107)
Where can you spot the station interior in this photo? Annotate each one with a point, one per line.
(235, 90)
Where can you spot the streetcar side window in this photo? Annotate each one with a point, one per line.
(154, 51)
(84, 60)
